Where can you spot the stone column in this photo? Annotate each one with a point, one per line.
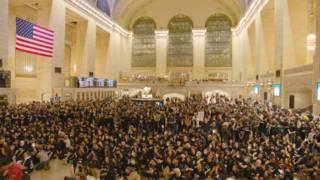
(126, 54)
(161, 52)
(89, 53)
(77, 50)
(245, 53)
(58, 25)
(113, 56)
(258, 42)
(52, 17)
(101, 53)
(85, 48)
(316, 64)
(4, 41)
(244, 50)
(278, 64)
(199, 53)
(236, 58)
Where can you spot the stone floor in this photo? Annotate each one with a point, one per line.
(58, 170)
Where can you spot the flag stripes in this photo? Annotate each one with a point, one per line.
(34, 39)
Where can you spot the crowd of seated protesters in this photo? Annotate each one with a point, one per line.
(119, 139)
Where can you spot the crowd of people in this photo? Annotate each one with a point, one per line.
(119, 139)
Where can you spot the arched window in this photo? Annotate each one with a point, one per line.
(180, 47)
(144, 43)
(218, 41)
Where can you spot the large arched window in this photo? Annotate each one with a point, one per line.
(180, 47)
(144, 43)
(218, 41)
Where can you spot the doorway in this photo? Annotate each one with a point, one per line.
(291, 101)
(265, 96)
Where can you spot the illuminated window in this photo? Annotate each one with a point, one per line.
(218, 41)
(180, 45)
(25, 64)
(276, 89)
(144, 43)
(256, 89)
(318, 91)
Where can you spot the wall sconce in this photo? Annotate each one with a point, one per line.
(75, 68)
(311, 42)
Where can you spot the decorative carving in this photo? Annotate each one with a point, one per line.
(218, 41)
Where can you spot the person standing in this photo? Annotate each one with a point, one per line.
(11, 170)
(172, 123)
(156, 120)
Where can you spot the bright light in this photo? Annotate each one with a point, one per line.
(256, 89)
(276, 89)
(147, 90)
(311, 42)
(75, 68)
(28, 68)
(318, 91)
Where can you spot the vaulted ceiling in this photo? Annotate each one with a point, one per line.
(126, 12)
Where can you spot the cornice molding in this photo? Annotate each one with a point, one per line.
(161, 33)
(199, 32)
(249, 16)
(101, 18)
(111, 26)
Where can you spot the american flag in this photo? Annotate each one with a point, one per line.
(34, 39)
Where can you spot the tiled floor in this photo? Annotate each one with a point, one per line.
(58, 170)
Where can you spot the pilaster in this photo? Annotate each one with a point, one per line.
(4, 41)
(161, 52)
(199, 39)
(316, 63)
(278, 64)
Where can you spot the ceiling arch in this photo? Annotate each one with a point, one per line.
(126, 12)
(179, 18)
(219, 17)
(140, 25)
